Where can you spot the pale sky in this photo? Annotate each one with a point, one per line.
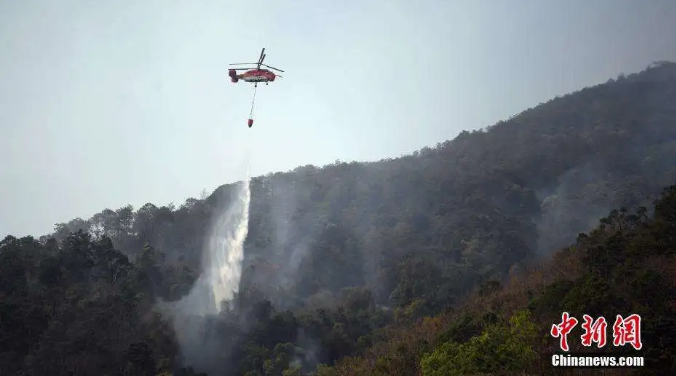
(108, 103)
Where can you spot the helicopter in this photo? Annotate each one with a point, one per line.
(254, 75)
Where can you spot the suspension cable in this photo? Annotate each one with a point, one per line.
(252, 102)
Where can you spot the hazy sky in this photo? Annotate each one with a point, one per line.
(105, 103)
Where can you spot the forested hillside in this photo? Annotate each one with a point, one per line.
(626, 265)
(339, 259)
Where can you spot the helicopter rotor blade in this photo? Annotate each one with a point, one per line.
(277, 69)
(260, 58)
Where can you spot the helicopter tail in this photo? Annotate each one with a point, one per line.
(233, 75)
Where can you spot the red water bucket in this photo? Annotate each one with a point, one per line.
(250, 122)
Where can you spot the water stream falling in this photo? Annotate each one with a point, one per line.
(225, 249)
(218, 283)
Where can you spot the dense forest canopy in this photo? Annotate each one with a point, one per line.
(343, 258)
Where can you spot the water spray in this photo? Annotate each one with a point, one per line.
(225, 248)
(218, 283)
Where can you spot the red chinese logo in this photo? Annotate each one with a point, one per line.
(594, 331)
(563, 329)
(627, 330)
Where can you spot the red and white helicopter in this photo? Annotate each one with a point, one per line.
(254, 75)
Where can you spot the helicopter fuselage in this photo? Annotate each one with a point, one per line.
(253, 75)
